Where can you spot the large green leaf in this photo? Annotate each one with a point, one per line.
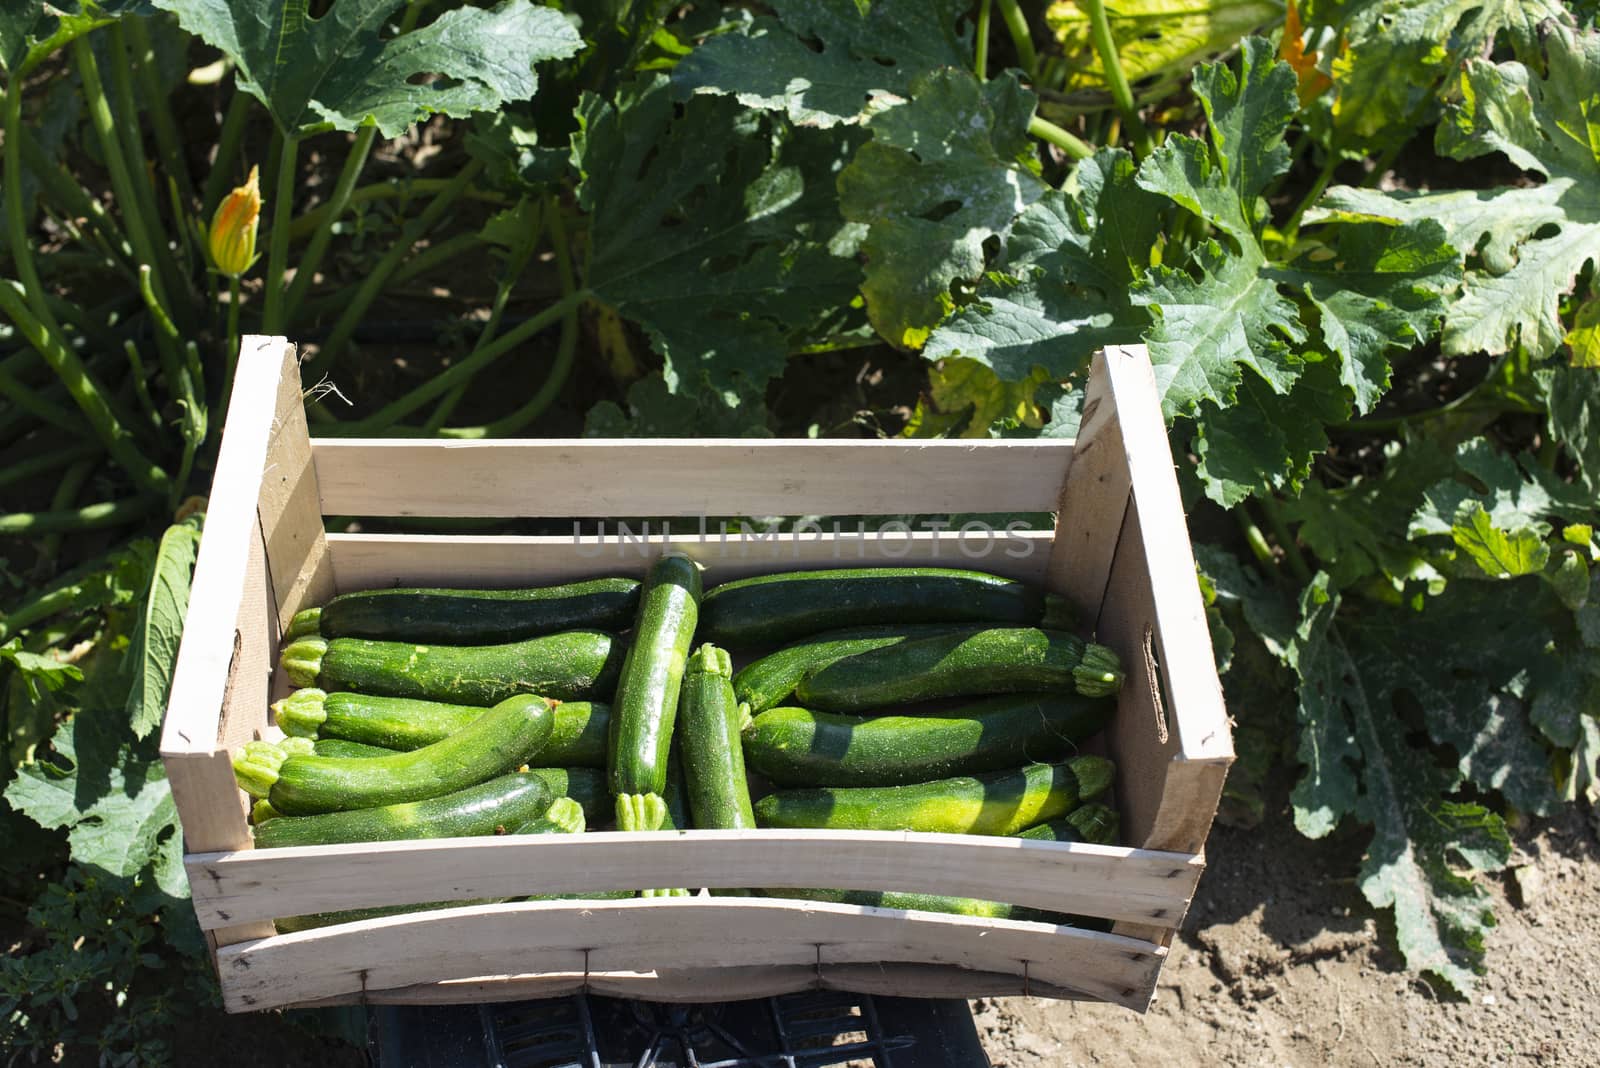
(30, 30)
(153, 649)
(1360, 762)
(1381, 289)
(1060, 287)
(40, 674)
(1572, 397)
(1396, 52)
(711, 227)
(941, 175)
(822, 62)
(1532, 240)
(1263, 442)
(1226, 312)
(341, 70)
(114, 802)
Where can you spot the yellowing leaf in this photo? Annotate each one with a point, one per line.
(1584, 337)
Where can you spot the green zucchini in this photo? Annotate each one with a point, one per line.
(473, 617)
(798, 747)
(974, 661)
(1094, 823)
(708, 737)
(770, 609)
(960, 906)
(577, 737)
(1002, 802)
(647, 693)
(586, 786)
(571, 666)
(339, 747)
(564, 816)
(298, 784)
(493, 807)
(262, 811)
(767, 681)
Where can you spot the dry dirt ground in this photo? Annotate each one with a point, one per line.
(1282, 963)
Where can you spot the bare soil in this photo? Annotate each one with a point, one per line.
(1282, 963)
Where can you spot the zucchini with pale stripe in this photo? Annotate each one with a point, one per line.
(472, 617)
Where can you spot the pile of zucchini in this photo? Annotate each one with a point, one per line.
(924, 699)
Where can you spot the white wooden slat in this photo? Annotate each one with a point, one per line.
(727, 983)
(1181, 637)
(1108, 881)
(373, 561)
(1093, 497)
(686, 477)
(645, 934)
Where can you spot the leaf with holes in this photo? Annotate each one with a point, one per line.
(340, 68)
(1531, 241)
(715, 230)
(822, 62)
(941, 175)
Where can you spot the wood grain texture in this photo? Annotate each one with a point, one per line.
(289, 507)
(373, 561)
(1092, 498)
(1092, 880)
(641, 935)
(596, 477)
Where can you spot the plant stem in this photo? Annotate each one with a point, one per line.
(1072, 145)
(1257, 541)
(85, 390)
(373, 284)
(980, 62)
(59, 184)
(67, 490)
(160, 113)
(34, 402)
(1111, 65)
(1291, 229)
(311, 258)
(231, 362)
(388, 189)
(89, 517)
(442, 383)
(1017, 24)
(37, 463)
(1280, 530)
(232, 132)
(141, 386)
(278, 237)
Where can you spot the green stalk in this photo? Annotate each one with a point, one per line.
(1291, 229)
(442, 383)
(232, 362)
(166, 332)
(67, 490)
(278, 237)
(34, 402)
(1111, 64)
(1073, 146)
(37, 463)
(1280, 530)
(373, 284)
(560, 371)
(68, 589)
(233, 124)
(138, 166)
(141, 387)
(16, 218)
(89, 517)
(1017, 25)
(311, 258)
(980, 62)
(1259, 547)
(167, 140)
(389, 189)
(86, 391)
(58, 184)
(194, 419)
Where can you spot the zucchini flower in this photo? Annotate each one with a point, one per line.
(232, 240)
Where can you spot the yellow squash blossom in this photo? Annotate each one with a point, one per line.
(232, 240)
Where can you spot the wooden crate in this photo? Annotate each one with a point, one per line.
(1120, 552)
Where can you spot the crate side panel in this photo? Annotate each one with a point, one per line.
(466, 942)
(1092, 498)
(1107, 881)
(290, 506)
(377, 561)
(596, 477)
